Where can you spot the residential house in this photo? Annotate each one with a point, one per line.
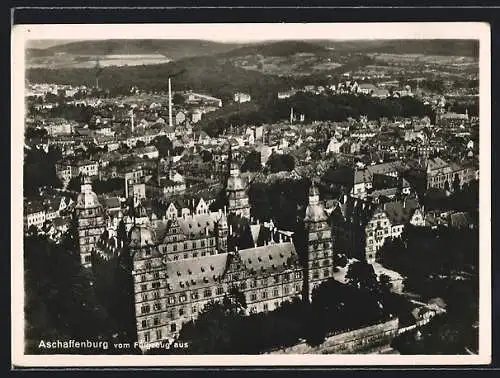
(34, 214)
(240, 97)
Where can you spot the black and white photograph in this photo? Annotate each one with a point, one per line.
(251, 194)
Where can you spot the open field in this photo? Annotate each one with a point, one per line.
(89, 61)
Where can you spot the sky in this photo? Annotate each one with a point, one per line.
(244, 33)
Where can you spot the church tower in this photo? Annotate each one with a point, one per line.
(320, 262)
(236, 193)
(90, 218)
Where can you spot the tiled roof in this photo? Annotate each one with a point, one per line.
(386, 168)
(197, 225)
(436, 164)
(269, 258)
(196, 273)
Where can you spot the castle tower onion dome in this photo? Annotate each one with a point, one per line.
(314, 211)
(87, 199)
(234, 182)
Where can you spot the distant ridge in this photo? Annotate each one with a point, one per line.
(447, 47)
(278, 48)
(174, 49)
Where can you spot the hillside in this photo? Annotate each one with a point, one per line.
(200, 73)
(468, 48)
(278, 49)
(174, 49)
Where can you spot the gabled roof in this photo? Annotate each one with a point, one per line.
(197, 225)
(386, 168)
(436, 164)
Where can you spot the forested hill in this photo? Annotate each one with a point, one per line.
(465, 47)
(173, 48)
(200, 73)
(278, 49)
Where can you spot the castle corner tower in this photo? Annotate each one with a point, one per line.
(236, 193)
(319, 242)
(90, 217)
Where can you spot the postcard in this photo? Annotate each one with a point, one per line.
(251, 194)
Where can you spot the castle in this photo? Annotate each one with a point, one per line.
(179, 264)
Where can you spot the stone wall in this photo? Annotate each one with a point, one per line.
(362, 340)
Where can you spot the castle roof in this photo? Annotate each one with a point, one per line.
(196, 273)
(197, 225)
(269, 258)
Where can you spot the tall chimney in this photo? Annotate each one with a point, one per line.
(170, 102)
(132, 120)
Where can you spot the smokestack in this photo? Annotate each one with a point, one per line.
(126, 187)
(132, 120)
(169, 102)
(291, 116)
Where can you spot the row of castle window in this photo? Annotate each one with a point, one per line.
(207, 293)
(317, 243)
(315, 263)
(315, 274)
(194, 245)
(147, 337)
(182, 311)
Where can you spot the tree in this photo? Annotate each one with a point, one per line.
(456, 183)
(280, 163)
(215, 331)
(74, 184)
(252, 162)
(206, 156)
(361, 275)
(140, 144)
(341, 260)
(121, 232)
(385, 283)
(60, 297)
(178, 99)
(163, 145)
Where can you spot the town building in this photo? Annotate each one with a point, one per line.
(444, 175)
(34, 214)
(241, 97)
(361, 227)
